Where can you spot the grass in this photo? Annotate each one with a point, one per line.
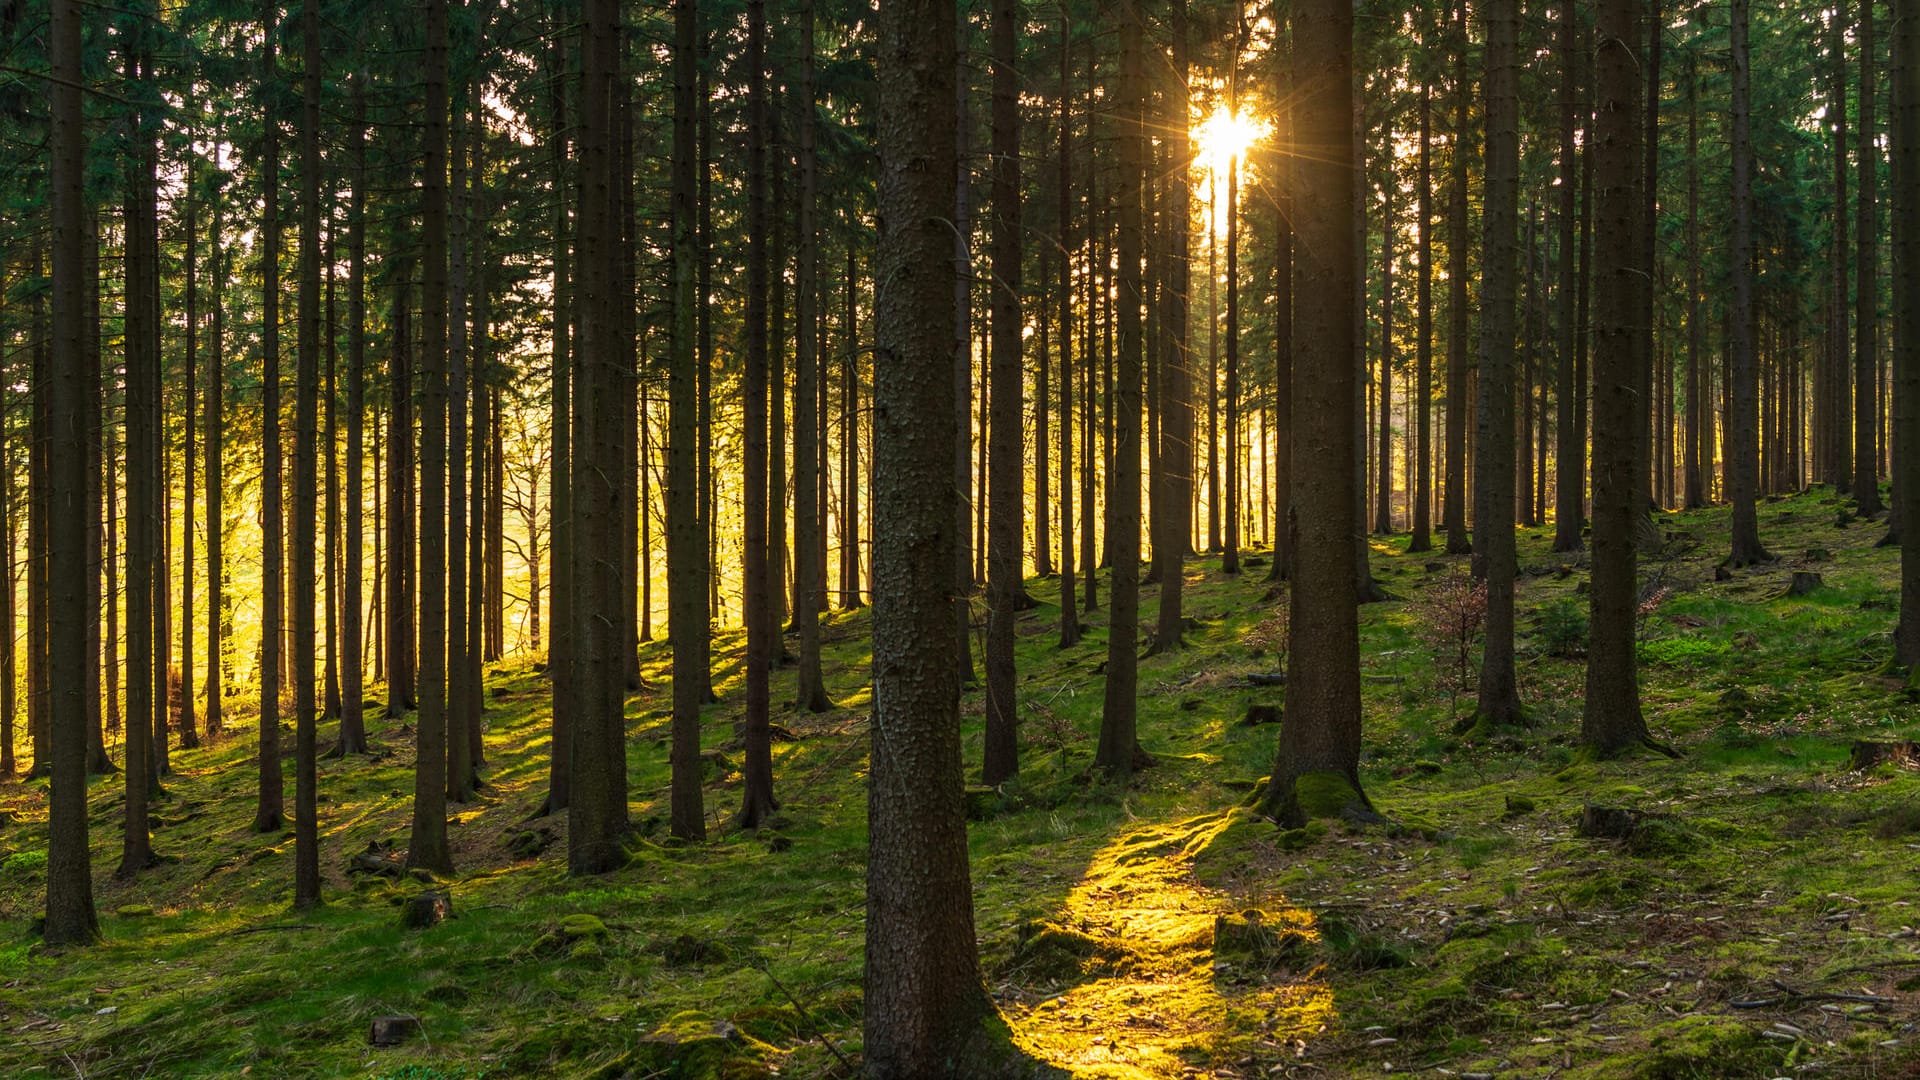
(1479, 933)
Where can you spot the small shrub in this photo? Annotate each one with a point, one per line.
(1271, 636)
(1453, 617)
(1562, 629)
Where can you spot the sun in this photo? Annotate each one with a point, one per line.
(1224, 138)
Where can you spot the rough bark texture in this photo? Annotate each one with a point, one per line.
(924, 1000)
(1118, 745)
(1742, 450)
(1499, 701)
(1906, 308)
(1612, 721)
(1173, 521)
(70, 913)
(757, 801)
(1320, 742)
(1459, 243)
(306, 829)
(686, 563)
(808, 572)
(1006, 495)
(428, 848)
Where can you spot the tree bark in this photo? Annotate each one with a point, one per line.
(1742, 451)
(1006, 452)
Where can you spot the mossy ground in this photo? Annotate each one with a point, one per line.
(1478, 933)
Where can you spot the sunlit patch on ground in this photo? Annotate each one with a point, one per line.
(1154, 999)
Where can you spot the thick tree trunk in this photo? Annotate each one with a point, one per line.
(1173, 522)
(1320, 749)
(1422, 404)
(1866, 273)
(810, 692)
(1612, 721)
(70, 914)
(1459, 244)
(560, 480)
(1906, 308)
(1570, 452)
(270, 811)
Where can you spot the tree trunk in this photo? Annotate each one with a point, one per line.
(1006, 492)
(1321, 747)
(1866, 273)
(306, 393)
(810, 691)
(428, 847)
(1069, 616)
(1742, 452)
(1459, 243)
(70, 914)
(1499, 700)
(353, 728)
(1422, 404)
(1173, 521)
(1118, 747)
(1906, 308)
(1612, 721)
(560, 481)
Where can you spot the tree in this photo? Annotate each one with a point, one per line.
(1319, 750)
(428, 848)
(757, 800)
(809, 571)
(1458, 245)
(1069, 617)
(1422, 404)
(686, 578)
(1570, 455)
(1006, 451)
(306, 393)
(927, 1014)
(1612, 721)
(1906, 308)
(1118, 752)
(269, 813)
(70, 914)
(1866, 273)
(597, 808)
(1173, 524)
(1742, 449)
(353, 730)
(1493, 485)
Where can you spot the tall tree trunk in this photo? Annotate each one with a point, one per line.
(70, 914)
(1283, 304)
(810, 691)
(1422, 403)
(1383, 459)
(460, 691)
(1612, 720)
(1499, 700)
(353, 728)
(850, 597)
(269, 813)
(1570, 452)
(926, 1011)
(306, 392)
(1172, 522)
(1698, 415)
(686, 565)
(1320, 749)
(560, 480)
(1119, 751)
(1742, 451)
(428, 847)
(1866, 274)
(757, 799)
(963, 575)
(1069, 616)
(1006, 490)
(146, 701)
(1906, 308)
(1459, 243)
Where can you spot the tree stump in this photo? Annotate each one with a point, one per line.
(1607, 822)
(1805, 582)
(426, 910)
(378, 859)
(393, 1030)
(1261, 714)
(1867, 753)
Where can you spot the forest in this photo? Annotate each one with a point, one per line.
(959, 538)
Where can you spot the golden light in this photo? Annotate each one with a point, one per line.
(1224, 138)
(1220, 141)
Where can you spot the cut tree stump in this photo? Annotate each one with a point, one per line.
(1261, 714)
(1607, 822)
(1805, 582)
(393, 1030)
(1867, 753)
(426, 910)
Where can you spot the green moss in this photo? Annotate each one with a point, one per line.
(582, 926)
(1705, 1048)
(1302, 838)
(1251, 935)
(1325, 795)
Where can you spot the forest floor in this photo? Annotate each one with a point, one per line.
(1760, 922)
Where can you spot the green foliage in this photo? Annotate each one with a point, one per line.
(1561, 628)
